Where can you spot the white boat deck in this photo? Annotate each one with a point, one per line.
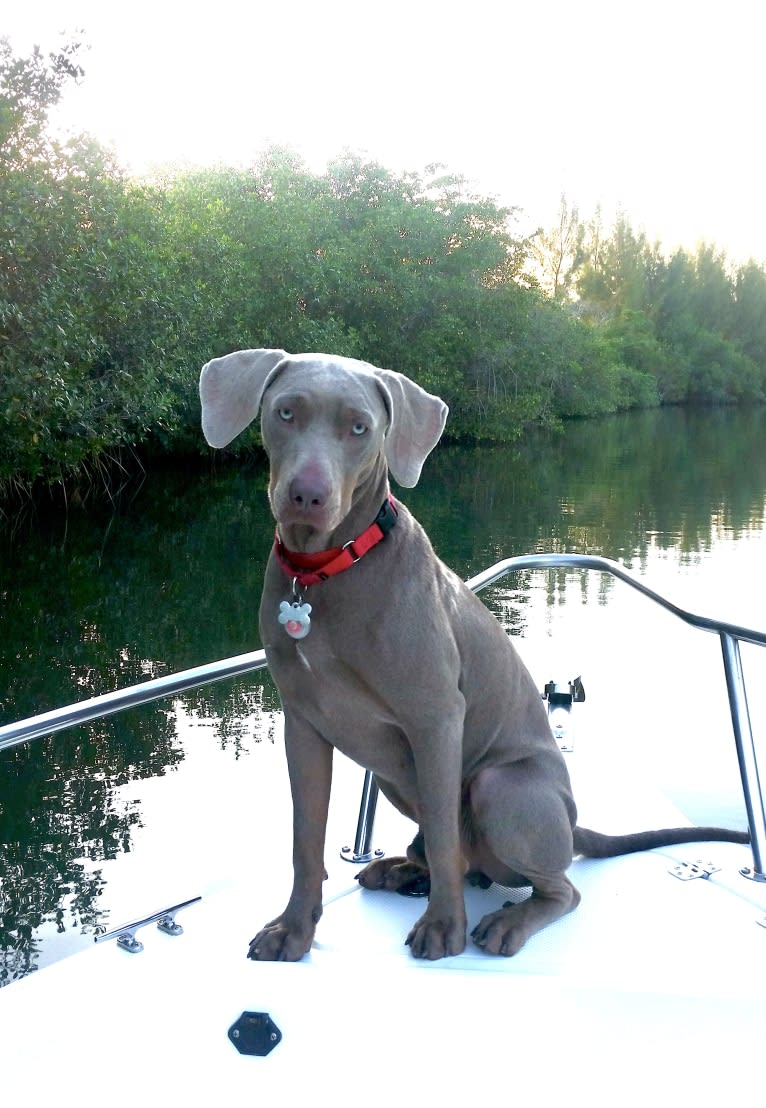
(654, 990)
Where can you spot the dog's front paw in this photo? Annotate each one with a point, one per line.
(280, 942)
(436, 936)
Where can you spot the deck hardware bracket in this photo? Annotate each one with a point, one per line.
(348, 854)
(362, 850)
(690, 871)
(128, 941)
(168, 926)
(165, 920)
(752, 874)
(560, 700)
(255, 1033)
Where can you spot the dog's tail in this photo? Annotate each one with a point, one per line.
(592, 844)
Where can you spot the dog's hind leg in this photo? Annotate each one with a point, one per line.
(507, 930)
(408, 876)
(522, 822)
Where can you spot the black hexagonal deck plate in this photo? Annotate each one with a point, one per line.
(255, 1033)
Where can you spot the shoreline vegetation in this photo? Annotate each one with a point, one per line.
(115, 291)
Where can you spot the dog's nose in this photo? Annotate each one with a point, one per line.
(308, 493)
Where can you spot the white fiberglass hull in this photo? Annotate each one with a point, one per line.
(654, 990)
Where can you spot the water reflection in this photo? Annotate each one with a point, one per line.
(172, 579)
(616, 487)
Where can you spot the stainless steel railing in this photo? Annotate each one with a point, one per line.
(13, 734)
(730, 636)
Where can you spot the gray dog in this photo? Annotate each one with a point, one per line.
(381, 651)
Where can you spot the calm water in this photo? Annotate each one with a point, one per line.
(101, 824)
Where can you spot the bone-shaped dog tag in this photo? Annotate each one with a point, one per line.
(295, 618)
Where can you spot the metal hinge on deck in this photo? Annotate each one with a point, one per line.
(690, 871)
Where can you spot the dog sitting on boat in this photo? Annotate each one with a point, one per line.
(378, 649)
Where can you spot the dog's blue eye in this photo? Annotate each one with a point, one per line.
(359, 429)
(286, 414)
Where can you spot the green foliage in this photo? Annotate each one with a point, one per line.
(30, 87)
(690, 323)
(114, 292)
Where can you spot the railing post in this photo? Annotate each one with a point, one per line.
(362, 851)
(746, 754)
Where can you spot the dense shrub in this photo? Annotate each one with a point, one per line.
(114, 292)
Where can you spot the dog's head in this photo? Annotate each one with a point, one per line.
(326, 422)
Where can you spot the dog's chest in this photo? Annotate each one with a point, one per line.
(319, 678)
(347, 707)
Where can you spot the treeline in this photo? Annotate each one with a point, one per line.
(114, 292)
(697, 326)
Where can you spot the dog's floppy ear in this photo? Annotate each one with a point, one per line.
(231, 388)
(417, 421)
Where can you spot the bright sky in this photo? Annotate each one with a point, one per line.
(654, 106)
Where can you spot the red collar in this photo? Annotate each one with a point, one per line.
(312, 569)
